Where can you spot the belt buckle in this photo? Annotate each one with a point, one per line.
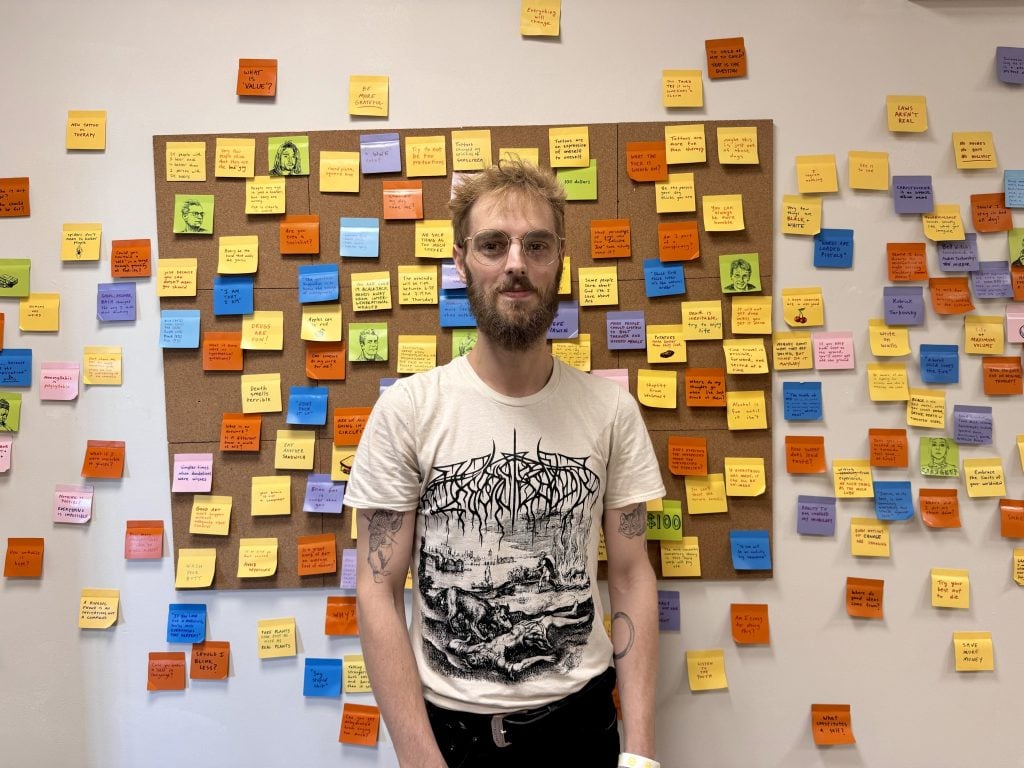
(498, 730)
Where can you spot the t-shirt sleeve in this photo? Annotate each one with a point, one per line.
(633, 472)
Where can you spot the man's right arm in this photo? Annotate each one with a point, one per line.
(384, 547)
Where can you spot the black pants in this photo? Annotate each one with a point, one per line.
(580, 729)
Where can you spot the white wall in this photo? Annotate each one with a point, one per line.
(820, 70)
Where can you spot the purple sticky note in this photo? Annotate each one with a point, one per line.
(566, 324)
(626, 330)
(816, 515)
(450, 280)
(380, 153)
(193, 473)
(904, 304)
(992, 280)
(348, 569)
(959, 255)
(323, 495)
(115, 302)
(668, 611)
(833, 351)
(1010, 64)
(972, 424)
(912, 194)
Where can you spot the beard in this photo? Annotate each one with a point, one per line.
(519, 328)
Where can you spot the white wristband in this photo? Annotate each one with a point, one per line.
(629, 760)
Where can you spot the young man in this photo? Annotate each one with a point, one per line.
(501, 468)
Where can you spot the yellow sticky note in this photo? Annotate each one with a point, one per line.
(574, 352)
(426, 156)
(234, 158)
(602, 547)
(869, 537)
(257, 558)
(675, 195)
(176, 277)
(211, 515)
(682, 88)
(816, 174)
(737, 145)
(1020, 450)
(265, 194)
(706, 670)
(888, 340)
(887, 382)
(185, 161)
(368, 95)
(471, 150)
(869, 170)
(81, 242)
(342, 457)
(680, 558)
(974, 149)
(261, 392)
(529, 155)
(951, 588)
(599, 286)
(339, 171)
(943, 223)
(722, 213)
(665, 344)
(745, 356)
(984, 477)
(702, 320)
(685, 144)
(984, 335)
(973, 652)
(656, 389)
(1018, 565)
(275, 638)
(803, 307)
(97, 608)
(294, 449)
(39, 312)
(565, 283)
(102, 366)
(745, 476)
(752, 314)
(86, 129)
(706, 494)
(907, 114)
(569, 147)
(196, 568)
(926, 408)
(800, 215)
(238, 254)
(746, 409)
(417, 284)
(540, 18)
(371, 291)
(416, 353)
(263, 329)
(792, 351)
(851, 479)
(434, 239)
(271, 495)
(356, 680)
(321, 322)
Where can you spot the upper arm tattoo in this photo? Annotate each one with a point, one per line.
(382, 525)
(630, 637)
(633, 522)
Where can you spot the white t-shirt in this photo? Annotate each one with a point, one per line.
(509, 494)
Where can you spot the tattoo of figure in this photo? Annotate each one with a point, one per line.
(630, 637)
(382, 524)
(633, 522)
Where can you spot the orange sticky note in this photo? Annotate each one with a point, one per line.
(888, 447)
(727, 57)
(24, 558)
(645, 160)
(14, 197)
(609, 239)
(341, 616)
(907, 261)
(131, 258)
(750, 623)
(940, 507)
(257, 77)
(705, 387)
(166, 671)
(990, 214)
(211, 660)
(359, 724)
(300, 234)
(325, 360)
(950, 295)
(687, 455)
(1011, 518)
(144, 540)
(403, 199)
(103, 458)
(678, 241)
(1017, 281)
(318, 554)
(830, 724)
(222, 351)
(805, 454)
(864, 597)
(240, 431)
(1002, 375)
(349, 424)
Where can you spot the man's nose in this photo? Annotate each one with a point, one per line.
(515, 261)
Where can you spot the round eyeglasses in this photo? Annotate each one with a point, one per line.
(491, 246)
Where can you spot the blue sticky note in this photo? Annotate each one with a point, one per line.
(912, 194)
(663, 278)
(959, 255)
(380, 153)
(566, 324)
(1013, 188)
(668, 610)
(992, 280)
(322, 677)
(359, 238)
(801, 400)
(894, 500)
(816, 515)
(940, 363)
(186, 622)
(904, 304)
(750, 550)
(1010, 64)
(115, 302)
(972, 424)
(233, 295)
(179, 328)
(454, 309)
(833, 249)
(384, 384)
(323, 495)
(626, 329)
(318, 282)
(450, 280)
(15, 367)
(307, 405)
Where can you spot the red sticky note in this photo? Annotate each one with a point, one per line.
(907, 261)
(831, 724)
(131, 258)
(318, 554)
(705, 387)
(24, 558)
(940, 507)
(888, 447)
(14, 197)
(990, 214)
(805, 454)
(325, 360)
(727, 57)
(950, 295)
(211, 660)
(341, 616)
(609, 239)
(1011, 518)
(750, 623)
(240, 431)
(687, 455)
(103, 458)
(678, 241)
(403, 199)
(144, 539)
(645, 161)
(222, 351)
(359, 724)
(166, 671)
(300, 234)
(349, 424)
(864, 597)
(257, 77)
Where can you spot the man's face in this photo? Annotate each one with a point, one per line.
(194, 216)
(370, 347)
(288, 159)
(740, 277)
(939, 449)
(4, 411)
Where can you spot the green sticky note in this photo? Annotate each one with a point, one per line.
(193, 215)
(739, 272)
(666, 525)
(463, 340)
(10, 411)
(367, 342)
(14, 277)
(288, 156)
(579, 183)
(940, 457)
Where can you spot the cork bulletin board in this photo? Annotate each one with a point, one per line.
(197, 399)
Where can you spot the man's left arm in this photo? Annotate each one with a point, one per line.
(633, 593)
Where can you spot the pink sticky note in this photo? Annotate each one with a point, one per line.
(348, 569)
(6, 448)
(58, 381)
(72, 504)
(833, 350)
(619, 375)
(193, 473)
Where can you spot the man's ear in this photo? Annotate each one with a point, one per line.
(459, 256)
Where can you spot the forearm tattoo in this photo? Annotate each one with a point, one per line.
(630, 634)
(382, 525)
(633, 522)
